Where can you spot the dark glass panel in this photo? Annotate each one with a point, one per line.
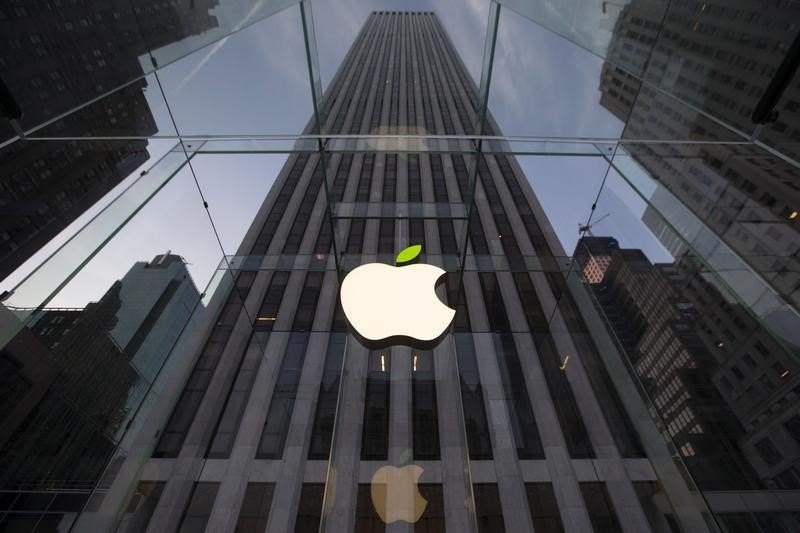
(423, 407)
(375, 433)
(601, 512)
(309, 510)
(477, 427)
(198, 508)
(279, 416)
(488, 511)
(544, 508)
(254, 513)
(322, 430)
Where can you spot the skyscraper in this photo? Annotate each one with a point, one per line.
(288, 423)
(88, 59)
(724, 389)
(75, 381)
(707, 65)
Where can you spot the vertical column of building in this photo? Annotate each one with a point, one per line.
(345, 448)
(269, 233)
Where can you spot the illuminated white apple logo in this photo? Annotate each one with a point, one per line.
(395, 493)
(396, 305)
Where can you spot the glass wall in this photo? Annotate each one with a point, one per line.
(607, 192)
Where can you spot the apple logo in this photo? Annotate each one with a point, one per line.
(387, 305)
(395, 493)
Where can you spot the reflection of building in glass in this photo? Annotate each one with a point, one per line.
(291, 411)
(54, 60)
(78, 376)
(720, 60)
(726, 392)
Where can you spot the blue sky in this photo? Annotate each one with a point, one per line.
(255, 82)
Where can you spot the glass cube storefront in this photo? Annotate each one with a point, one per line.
(585, 312)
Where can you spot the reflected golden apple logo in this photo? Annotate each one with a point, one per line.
(400, 139)
(395, 493)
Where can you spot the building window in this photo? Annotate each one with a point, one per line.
(322, 430)
(236, 402)
(544, 508)
(367, 518)
(523, 423)
(768, 452)
(477, 428)
(793, 427)
(142, 505)
(569, 417)
(198, 510)
(375, 433)
(181, 419)
(432, 519)
(601, 513)
(254, 512)
(488, 511)
(279, 416)
(309, 509)
(424, 407)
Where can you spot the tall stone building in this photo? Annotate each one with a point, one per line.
(288, 423)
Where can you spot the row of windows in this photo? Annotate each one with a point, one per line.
(371, 504)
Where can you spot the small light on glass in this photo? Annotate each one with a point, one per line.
(319, 257)
(793, 215)
(267, 318)
(720, 345)
(383, 363)
(415, 364)
(785, 374)
(564, 362)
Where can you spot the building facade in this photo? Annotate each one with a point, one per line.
(289, 423)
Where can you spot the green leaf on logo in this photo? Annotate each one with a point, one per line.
(409, 253)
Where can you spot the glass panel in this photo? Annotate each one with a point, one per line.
(255, 508)
(601, 513)
(488, 510)
(54, 60)
(135, 110)
(204, 99)
(743, 233)
(235, 187)
(195, 516)
(712, 366)
(588, 25)
(85, 377)
(34, 283)
(720, 59)
(204, 23)
(560, 78)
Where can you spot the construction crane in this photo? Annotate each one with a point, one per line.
(587, 228)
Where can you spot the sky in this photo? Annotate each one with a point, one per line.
(255, 82)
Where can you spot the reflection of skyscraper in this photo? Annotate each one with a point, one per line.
(724, 388)
(719, 60)
(78, 376)
(53, 61)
